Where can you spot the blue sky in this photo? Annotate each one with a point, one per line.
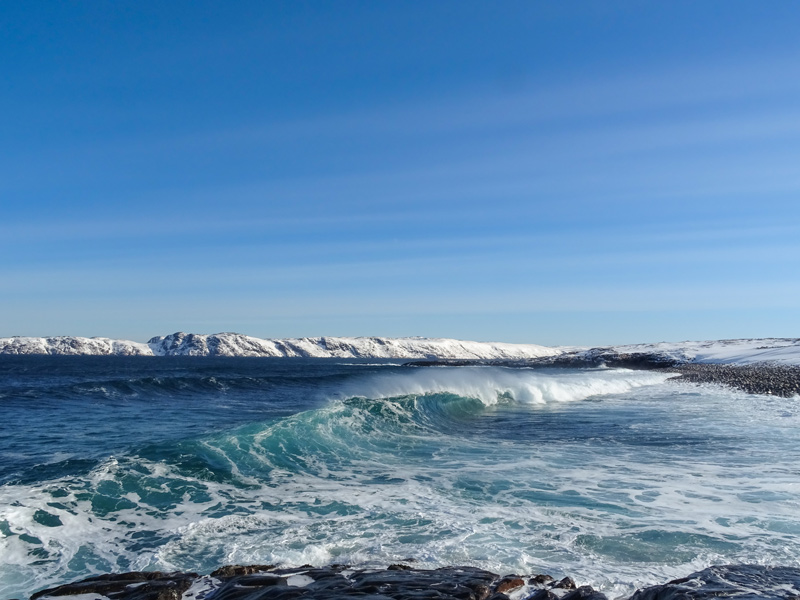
(545, 172)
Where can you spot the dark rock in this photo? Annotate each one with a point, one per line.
(263, 582)
(773, 380)
(480, 591)
(584, 592)
(153, 585)
(743, 582)
(258, 580)
(508, 583)
(398, 567)
(596, 357)
(565, 584)
(542, 595)
(234, 570)
(251, 587)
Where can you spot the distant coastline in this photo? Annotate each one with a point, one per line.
(760, 366)
(739, 351)
(237, 344)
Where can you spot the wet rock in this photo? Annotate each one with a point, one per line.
(743, 582)
(481, 592)
(565, 584)
(542, 595)
(336, 582)
(774, 380)
(508, 583)
(584, 592)
(265, 582)
(153, 585)
(234, 570)
(593, 358)
(251, 587)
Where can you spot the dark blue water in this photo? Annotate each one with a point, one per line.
(617, 478)
(83, 409)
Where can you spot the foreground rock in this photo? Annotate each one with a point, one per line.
(401, 582)
(743, 582)
(265, 582)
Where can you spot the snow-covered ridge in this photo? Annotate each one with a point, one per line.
(741, 352)
(235, 344)
(67, 345)
(744, 351)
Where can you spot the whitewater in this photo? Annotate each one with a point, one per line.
(618, 478)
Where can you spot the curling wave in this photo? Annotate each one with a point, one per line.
(491, 385)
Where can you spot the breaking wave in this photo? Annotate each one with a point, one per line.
(514, 470)
(492, 384)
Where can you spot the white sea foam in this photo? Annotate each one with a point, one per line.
(299, 580)
(490, 384)
(90, 596)
(319, 487)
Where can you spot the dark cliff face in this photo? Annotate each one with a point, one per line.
(608, 357)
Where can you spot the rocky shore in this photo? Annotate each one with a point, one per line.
(757, 378)
(774, 380)
(402, 582)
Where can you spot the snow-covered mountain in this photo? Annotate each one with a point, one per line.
(67, 345)
(236, 344)
(741, 352)
(745, 351)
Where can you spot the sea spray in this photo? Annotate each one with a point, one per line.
(491, 384)
(620, 478)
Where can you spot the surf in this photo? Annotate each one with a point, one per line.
(567, 471)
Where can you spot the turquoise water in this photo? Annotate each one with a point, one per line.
(616, 478)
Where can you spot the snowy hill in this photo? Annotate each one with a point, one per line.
(235, 344)
(746, 351)
(66, 345)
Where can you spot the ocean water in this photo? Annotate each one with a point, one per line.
(617, 478)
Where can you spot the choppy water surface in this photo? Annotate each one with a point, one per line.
(616, 478)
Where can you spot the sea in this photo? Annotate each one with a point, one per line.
(616, 478)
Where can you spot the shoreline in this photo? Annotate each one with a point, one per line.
(403, 582)
(755, 378)
(764, 379)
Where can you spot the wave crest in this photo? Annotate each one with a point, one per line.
(491, 385)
